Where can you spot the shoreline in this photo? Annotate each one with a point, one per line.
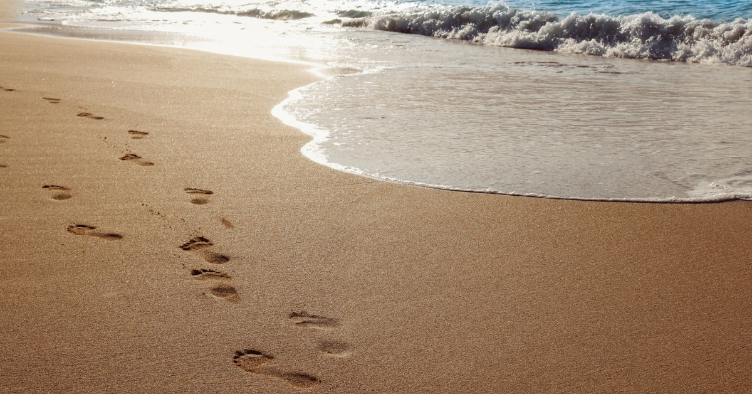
(322, 280)
(703, 192)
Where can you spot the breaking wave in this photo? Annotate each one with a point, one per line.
(254, 13)
(354, 13)
(640, 36)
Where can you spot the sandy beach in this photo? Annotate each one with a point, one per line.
(160, 231)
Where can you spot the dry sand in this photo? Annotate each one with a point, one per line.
(293, 276)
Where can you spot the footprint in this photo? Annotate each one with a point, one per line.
(307, 320)
(3, 166)
(227, 223)
(249, 360)
(252, 361)
(61, 194)
(137, 135)
(335, 348)
(295, 379)
(6, 89)
(52, 100)
(204, 274)
(191, 190)
(3, 139)
(199, 200)
(198, 244)
(88, 115)
(225, 292)
(214, 258)
(136, 159)
(82, 229)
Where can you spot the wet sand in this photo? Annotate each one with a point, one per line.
(161, 232)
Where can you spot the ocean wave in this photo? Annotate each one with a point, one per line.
(255, 12)
(641, 36)
(354, 13)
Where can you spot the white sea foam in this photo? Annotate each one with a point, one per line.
(641, 36)
(249, 12)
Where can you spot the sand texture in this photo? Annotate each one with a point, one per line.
(161, 232)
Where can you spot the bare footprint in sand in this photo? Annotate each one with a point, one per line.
(52, 100)
(3, 139)
(82, 229)
(7, 89)
(225, 292)
(307, 320)
(205, 274)
(214, 258)
(199, 201)
(89, 115)
(134, 158)
(137, 135)
(254, 361)
(3, 166)
(249, 360)
(334, 348)
(191, 190)
(198, 244)
(200, 192)
(60, 192)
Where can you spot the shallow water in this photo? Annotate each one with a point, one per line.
(587, 116)
(536, 123)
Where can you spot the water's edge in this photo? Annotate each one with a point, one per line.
(309, 150)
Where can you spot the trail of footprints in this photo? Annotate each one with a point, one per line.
(335, 348)
(200, 245)
(132, 157)
(259, 363)
(249, 360)
(61, 193)
(254, 361)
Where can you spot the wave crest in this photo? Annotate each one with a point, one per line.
(255, 12)
(641, 36)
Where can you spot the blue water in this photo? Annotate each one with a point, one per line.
(714, 10)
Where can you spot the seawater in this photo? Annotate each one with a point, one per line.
(625, 100)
